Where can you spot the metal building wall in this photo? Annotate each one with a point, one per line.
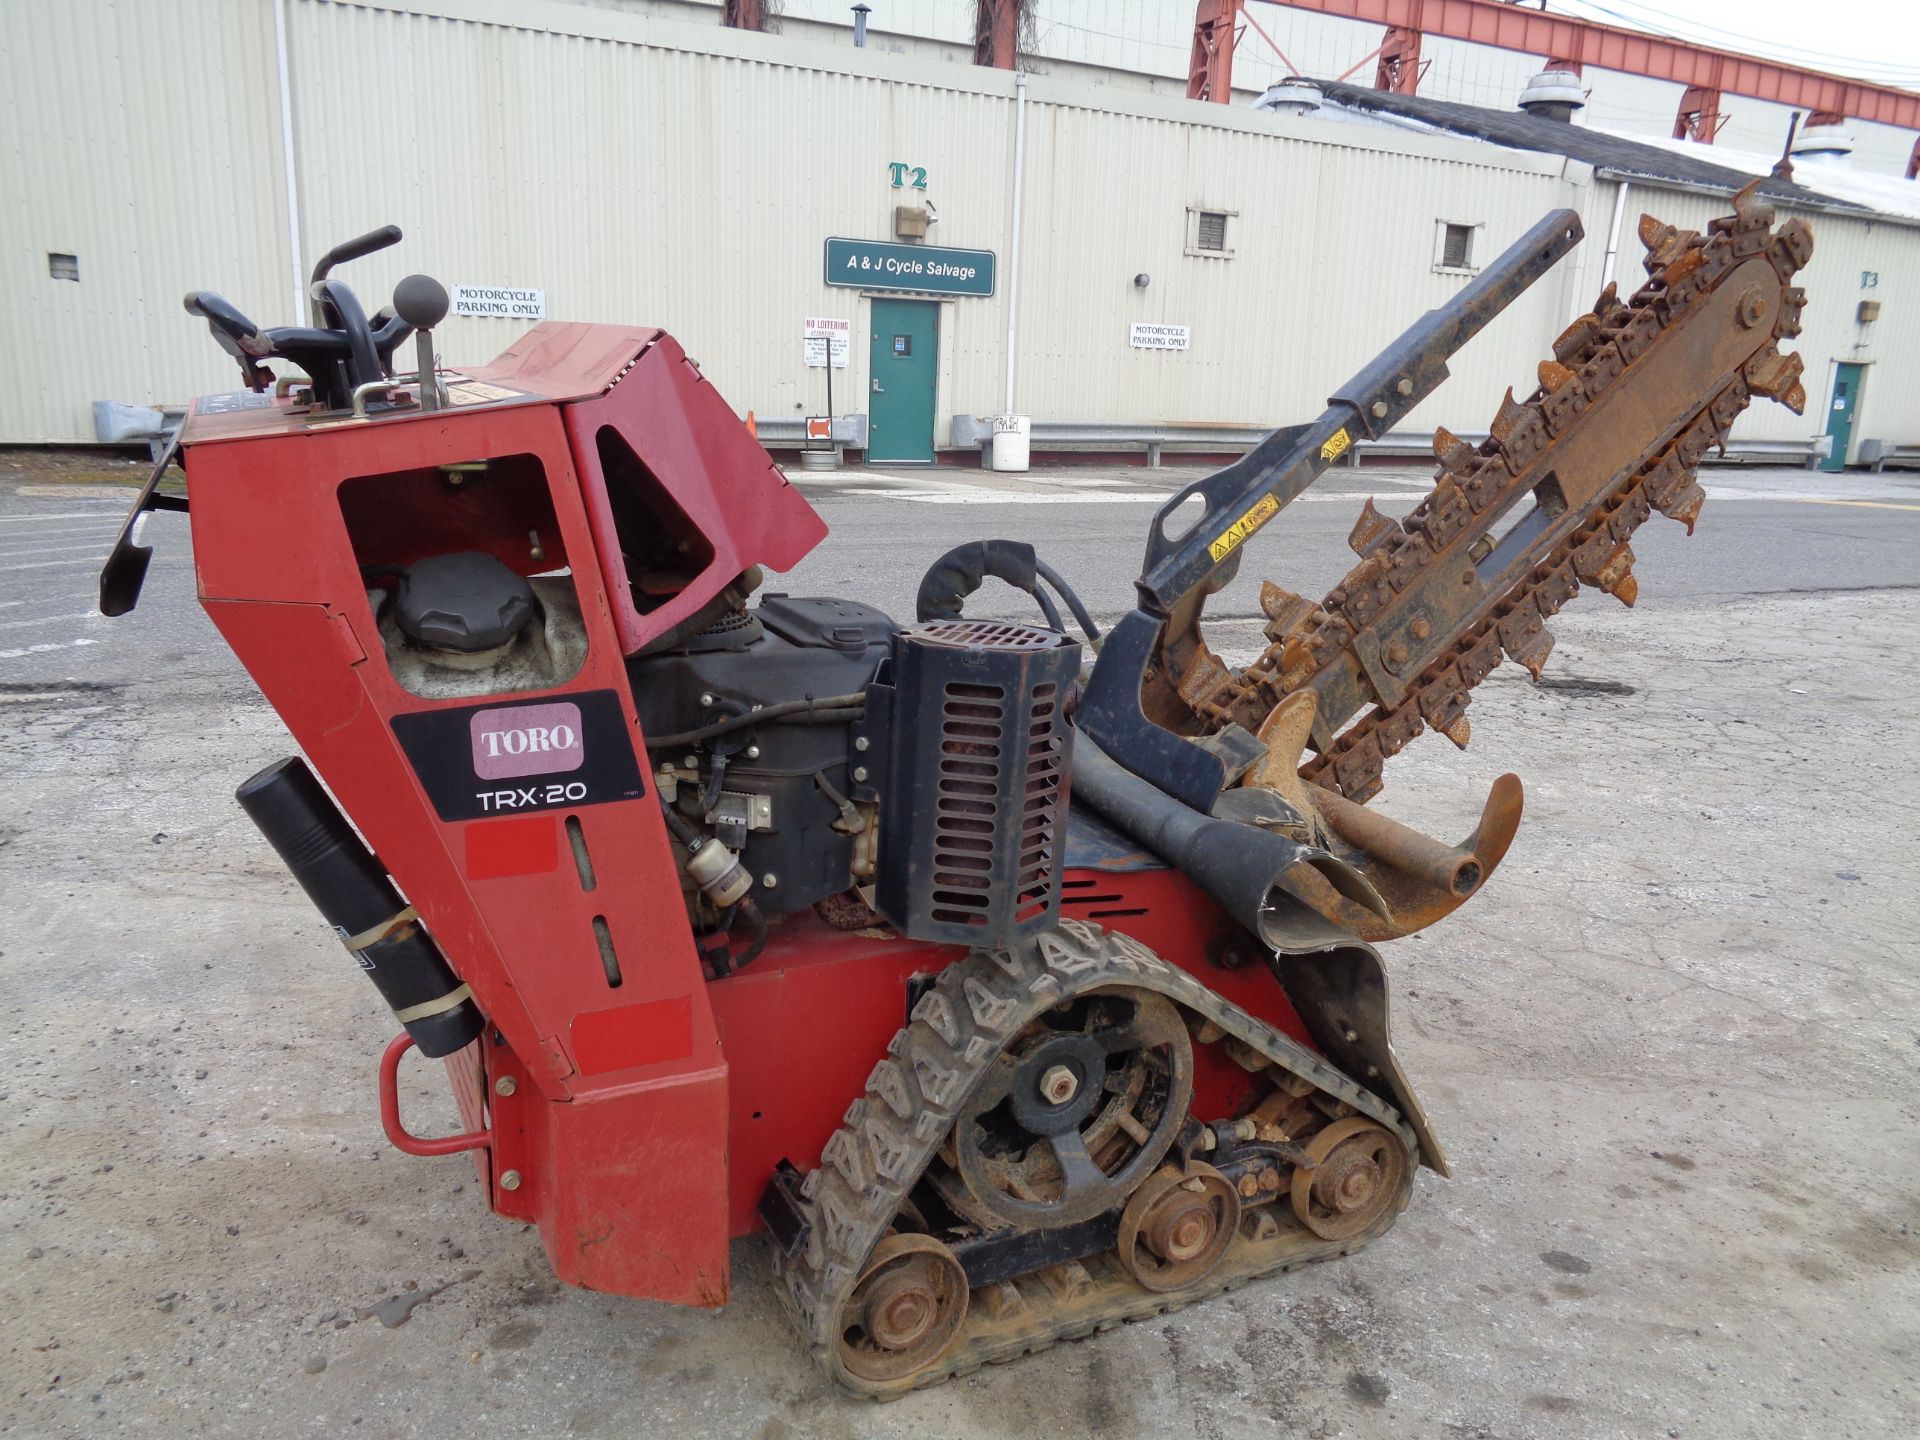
(650, 171)
(141, 139)
(1844, 248)
(1333, 233)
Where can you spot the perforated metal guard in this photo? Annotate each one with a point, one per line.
(974, 813)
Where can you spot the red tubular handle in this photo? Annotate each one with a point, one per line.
(403, 1138)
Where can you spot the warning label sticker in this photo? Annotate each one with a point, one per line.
(1264, 509)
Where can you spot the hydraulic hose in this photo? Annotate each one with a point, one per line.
(832, 709)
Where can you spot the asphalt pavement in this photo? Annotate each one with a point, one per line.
(1670, 1047)
(1764, 532)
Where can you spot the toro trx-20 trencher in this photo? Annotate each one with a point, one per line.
(1013, 995)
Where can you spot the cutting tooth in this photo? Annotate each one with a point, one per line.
(1608, 302)
(1749, 209)
(1371, 531)
(1795, 398)
(1658, 237)
(1575, 338)
(1458, 732)
(1511, 414)
(1285, 611)
(1452, 452)
(1553, 375)
(1626, 589)
(1684, 504)
(1770, 373)
(1525, 638)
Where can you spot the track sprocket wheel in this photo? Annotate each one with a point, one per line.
(1358, 1171)
(905, 1310)
(1178, 1227)
(1077, 1110)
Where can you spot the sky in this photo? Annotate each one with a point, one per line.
(1867, 39)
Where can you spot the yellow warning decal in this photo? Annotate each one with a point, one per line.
(1264, 509)
(1337, 446)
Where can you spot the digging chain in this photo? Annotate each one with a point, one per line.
(896, 1129)
(1595, 353)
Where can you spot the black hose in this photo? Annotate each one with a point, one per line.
(1053, 577)
(758, 924)
(716, 777)
(681, 827)
(1048, 609)
(833, 709)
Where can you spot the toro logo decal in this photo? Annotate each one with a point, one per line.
(527, 740)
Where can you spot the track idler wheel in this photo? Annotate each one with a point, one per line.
(1358, 1171)
(1077, 1111)
(1178, 1227)
(906, 1309)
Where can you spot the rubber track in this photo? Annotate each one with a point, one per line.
(976, 1007)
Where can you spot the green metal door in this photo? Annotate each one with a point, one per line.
(1846, 400)
(906, 338)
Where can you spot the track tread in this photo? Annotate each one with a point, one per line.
(914, 1095)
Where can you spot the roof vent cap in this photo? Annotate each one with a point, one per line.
(1553, 95)
(1291, 96)
(1830, 145)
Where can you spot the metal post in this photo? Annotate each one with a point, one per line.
(829, 344)
(1013, 248)
(286, 159)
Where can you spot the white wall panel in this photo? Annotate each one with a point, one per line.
(647, 170)
(142, 139)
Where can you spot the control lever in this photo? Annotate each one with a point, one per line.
(238, 335)
(421, 301)
(349, 250)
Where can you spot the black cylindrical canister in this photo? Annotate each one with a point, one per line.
(354, 895)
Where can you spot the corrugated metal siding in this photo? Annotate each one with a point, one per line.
(1334, 250)
(1843, 248)
(142, 139)
(650, 172)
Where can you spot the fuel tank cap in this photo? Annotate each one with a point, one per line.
(466, 602)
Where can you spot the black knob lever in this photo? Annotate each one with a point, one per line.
(421, 301)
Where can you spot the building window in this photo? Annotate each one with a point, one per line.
(1208, 232)
(1454, 246)
(63, 267)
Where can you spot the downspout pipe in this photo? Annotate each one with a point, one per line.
(299, 269)
(1613, 231)
(1013, 248)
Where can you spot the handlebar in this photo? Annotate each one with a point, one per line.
(353, 249)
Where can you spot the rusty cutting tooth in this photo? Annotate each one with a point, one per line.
(1553, 375)
(1452, 452)
(1510, 415)
(1459, 731)
(1749, 209)
(1371, 531)
(1772, 374)
(1795, 398)
(1573, 340)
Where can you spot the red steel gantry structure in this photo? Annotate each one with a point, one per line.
(1569, 44)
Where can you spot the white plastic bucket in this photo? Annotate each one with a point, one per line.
(1012, 442)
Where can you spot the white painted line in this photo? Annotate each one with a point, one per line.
(47, 599)
(63, 515)
(42, 649)
(105, 526)
(1105, 497)
(52, 619)
(50, 549)
(53, 564)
